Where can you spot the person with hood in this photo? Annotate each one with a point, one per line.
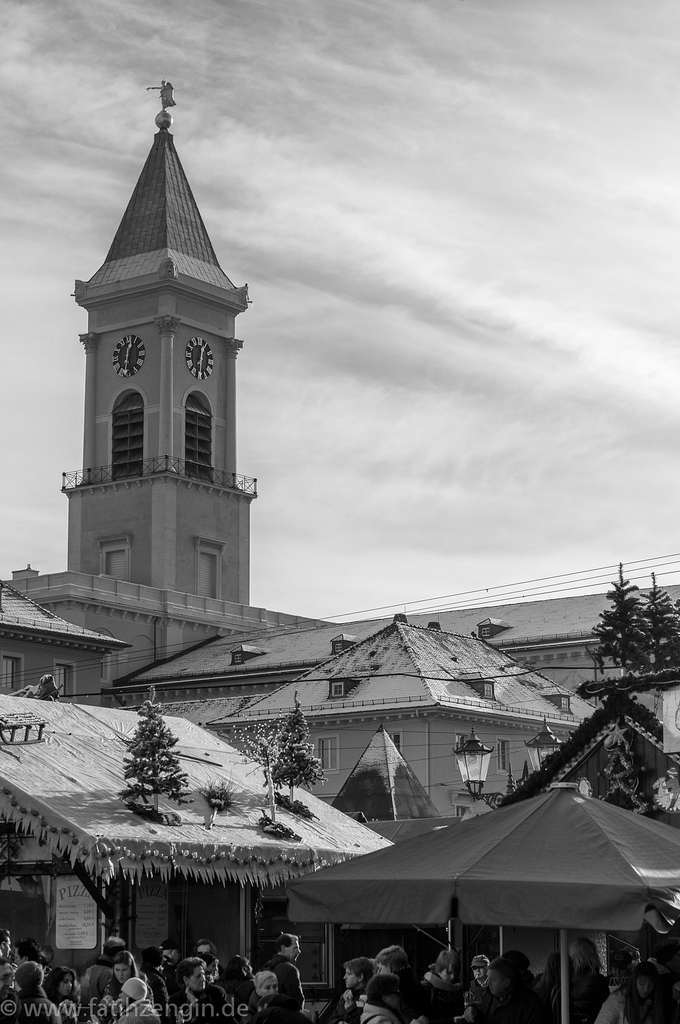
(383, 1000)
(137, 1008)
(286, 952)
(34, 1006)
(358, 973)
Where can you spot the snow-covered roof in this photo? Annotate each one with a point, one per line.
(64, 789)
(18, 612)
(404, 667)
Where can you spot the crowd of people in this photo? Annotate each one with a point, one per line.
(167, 988)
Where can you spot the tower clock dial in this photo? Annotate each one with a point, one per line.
(128, 355)
(199, 358)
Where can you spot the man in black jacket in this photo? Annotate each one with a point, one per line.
(507, 1000)
(286, 952)
(194, 1000)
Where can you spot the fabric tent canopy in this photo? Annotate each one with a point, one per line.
(559, 860)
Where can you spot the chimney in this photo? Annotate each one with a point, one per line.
(400, 617)
(434, 625)
(24, 574)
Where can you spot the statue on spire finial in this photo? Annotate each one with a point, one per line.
(164, 119)
(167, 93)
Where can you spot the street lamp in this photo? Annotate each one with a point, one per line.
(542, 745)
(473, 763)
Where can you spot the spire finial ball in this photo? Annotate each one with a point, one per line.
(163, 120)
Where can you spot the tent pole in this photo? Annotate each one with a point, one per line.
(564, 975)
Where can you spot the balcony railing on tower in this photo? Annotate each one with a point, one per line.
(154, 467)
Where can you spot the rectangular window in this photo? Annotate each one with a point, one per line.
(396, 739)
(337, 689)
(328, 753)
(502, 754)
(460, 738)
(207, 574)
(115, 564)
(459, 810)
(64, 674)
(11, 672)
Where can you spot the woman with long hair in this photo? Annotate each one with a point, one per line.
(640, 1003)
(124, 967)
(237, 981)
(63, 988)
(549, 987)
(589, 987)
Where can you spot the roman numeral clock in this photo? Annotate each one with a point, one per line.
(128, 356)
(199, 358)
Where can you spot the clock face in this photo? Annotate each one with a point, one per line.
(199, 358)
(128, 355)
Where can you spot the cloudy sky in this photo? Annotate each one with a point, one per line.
(460, 225)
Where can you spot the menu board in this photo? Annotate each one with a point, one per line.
(76, 915)
(151, 925)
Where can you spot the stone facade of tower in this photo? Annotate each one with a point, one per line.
(159, 517)
(158, 501)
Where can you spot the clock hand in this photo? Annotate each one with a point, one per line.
(128, 349)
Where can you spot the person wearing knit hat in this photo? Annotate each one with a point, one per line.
(28, 979)
(152, 962)
(137, 1007)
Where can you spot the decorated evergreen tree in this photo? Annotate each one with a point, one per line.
(262, 744)
(153, 768)
(296, 764)
(623, 630)
(663, 623)
(623, 782)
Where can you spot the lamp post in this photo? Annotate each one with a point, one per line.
(473, 763)
(542, 745)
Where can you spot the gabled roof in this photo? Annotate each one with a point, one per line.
(383, 786)
(19, 614)
(161, 220)
(404, 666)
(65, 791)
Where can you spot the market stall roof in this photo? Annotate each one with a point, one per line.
(559, 860)
(64, 789)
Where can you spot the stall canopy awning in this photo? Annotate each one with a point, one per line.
(559, 860)
(64, 789)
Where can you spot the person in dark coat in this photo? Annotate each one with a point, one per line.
(281, 1010)
(348, 1009)
(237, 981)
(507, 999)
(445, 990)
(34, 1006)
(152, 963)
(415, 1000)
(194, 999)
(100, 975)
(286, 952)
(479, 968)
(589, 987)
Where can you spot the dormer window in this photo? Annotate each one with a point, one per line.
(244, 653)
(482, 687)
(491, 627)
(338, 689)
(342, 642)
(562, 701)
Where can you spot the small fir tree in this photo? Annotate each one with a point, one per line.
(663, 623)
(297, 764)
(152, 767)
(623, 630)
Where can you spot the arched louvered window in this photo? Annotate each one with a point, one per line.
(198, 437)
(127, 436)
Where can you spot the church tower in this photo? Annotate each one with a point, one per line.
(159, 517)
(159, 501)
